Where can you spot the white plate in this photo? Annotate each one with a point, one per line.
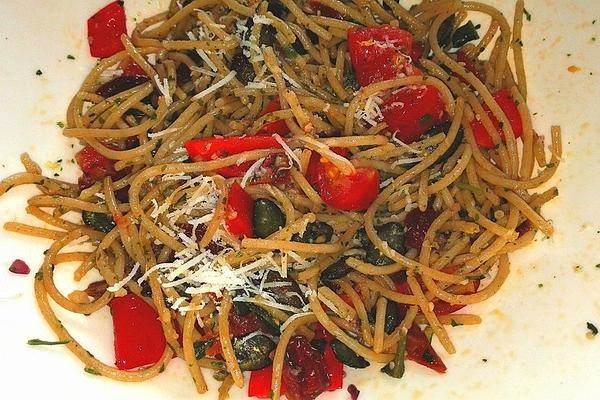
(533, 338)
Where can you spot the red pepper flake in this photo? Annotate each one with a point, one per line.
(354, 392)
(19, 267)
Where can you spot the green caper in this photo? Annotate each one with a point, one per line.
(98, 221)
(392, 233)
(271, 323)
(200, 348)
(243, 67)
(285, 290)
(395, 369)
(444, 35)
(444, 128)
(267, 218)
(252, 352)
(337, 270)
(316, 232)
(392, 317)
(347, 356)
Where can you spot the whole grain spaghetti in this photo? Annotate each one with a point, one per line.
(286, 186)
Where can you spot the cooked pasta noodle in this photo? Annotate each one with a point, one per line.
(254, 169)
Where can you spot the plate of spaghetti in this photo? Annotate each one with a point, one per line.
(300, 199)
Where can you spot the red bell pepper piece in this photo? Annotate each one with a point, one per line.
(353, 192)
(238, 212)
(260, 383)
(105, 29)
(418, 51)
(411, 111)
(379, 53)
(441, 307)
(335, 369)
(275, 127)
(509, 107)
(139, 337)
(206, 149)
(133, 69)
(419, 349)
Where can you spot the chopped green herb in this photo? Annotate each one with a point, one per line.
(527, 14)
(60, 124)
(465, 34)
(469, 187)
(39, 342)
(289, 51)
(38, 72)
(98, 221)
(593, 38)
(395, 369)
(568, 54)
(597, 265)
(519, 42)
(70, 57)
(550, 165)
(592, 328)
(425, 119)
(484, 359)
(91, 371)
(454, 323)
(540, 285)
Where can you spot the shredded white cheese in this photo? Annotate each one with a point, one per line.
(163, 87)
(287, 149)
(216, 86)
(203, 54)
(292, 319)
(251, 171)
(119, 285)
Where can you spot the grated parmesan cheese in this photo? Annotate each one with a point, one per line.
(203, 54)
(216, 86)
(292, 319)
(163, 87)
(251, 171)
(119, 285)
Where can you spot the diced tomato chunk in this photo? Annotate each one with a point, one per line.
(304, 373)
(417, 223)
(354, 192)
(319, 8)
(470, 64)
(411, 111)
(94, 166)
(105, 29)
(133, 69)
(379, 53)
(509, 107)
